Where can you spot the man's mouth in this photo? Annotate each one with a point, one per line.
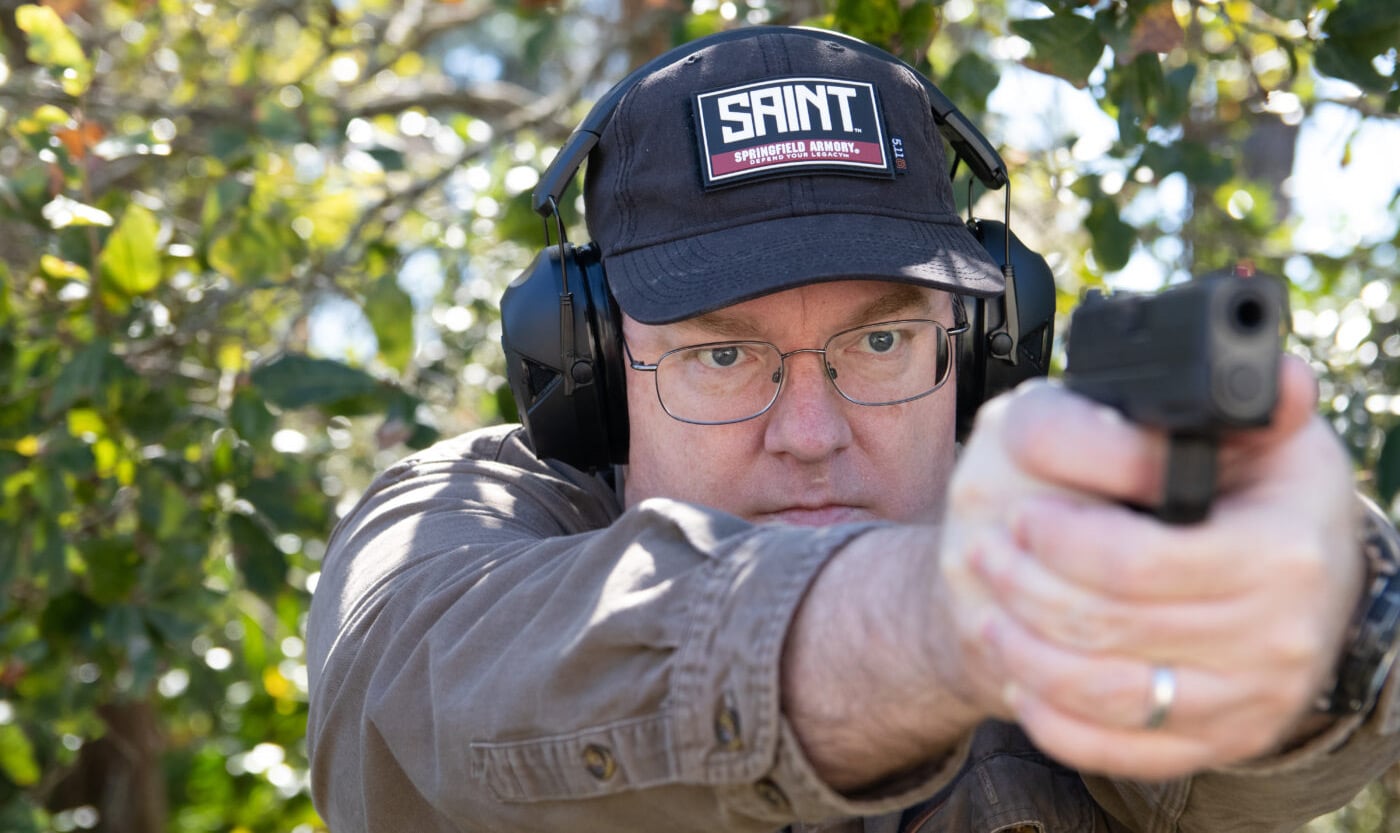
(816, 515)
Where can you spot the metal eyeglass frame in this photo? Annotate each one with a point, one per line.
(959, 327)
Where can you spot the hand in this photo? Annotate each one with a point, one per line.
(1065, 601)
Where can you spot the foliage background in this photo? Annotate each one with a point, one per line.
(250, 250)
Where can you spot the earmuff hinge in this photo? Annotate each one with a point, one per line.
(568, 355)
(1012, 326)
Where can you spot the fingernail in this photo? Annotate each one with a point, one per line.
(1022, 521)
(991, 562)
(1011, 695)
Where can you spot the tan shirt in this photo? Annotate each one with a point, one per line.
(496, 646)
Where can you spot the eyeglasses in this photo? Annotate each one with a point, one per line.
(731, 381)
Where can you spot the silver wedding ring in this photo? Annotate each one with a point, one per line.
(1163, 693)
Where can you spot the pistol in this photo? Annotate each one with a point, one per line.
(1195, 360)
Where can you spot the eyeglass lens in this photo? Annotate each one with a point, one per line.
(877, 364)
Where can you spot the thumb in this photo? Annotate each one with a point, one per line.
(1297, 405)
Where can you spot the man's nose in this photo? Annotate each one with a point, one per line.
(809, 420)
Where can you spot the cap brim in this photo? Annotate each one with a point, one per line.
(680, 279)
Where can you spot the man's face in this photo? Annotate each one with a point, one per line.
(813, 457)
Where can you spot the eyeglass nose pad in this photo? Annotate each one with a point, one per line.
(777, 376)
(831, 372)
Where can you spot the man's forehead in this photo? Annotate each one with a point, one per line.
(847, 302)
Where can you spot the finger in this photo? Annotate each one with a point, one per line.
(1241, 655)
(1138, 753)
(1129, 555)
(1297, 403)
(1107, 690)
(1103, 621)
(1117, 690)
(1076, 443)
(1310, 475)
(1082, 445)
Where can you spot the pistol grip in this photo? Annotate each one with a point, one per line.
(1190, 483)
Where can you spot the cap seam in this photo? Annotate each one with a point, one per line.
(625, 157)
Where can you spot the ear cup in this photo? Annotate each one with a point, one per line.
(972, 365)
(1009, 336)
(609, 365)
(563, 358)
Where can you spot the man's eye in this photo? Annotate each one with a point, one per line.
(719, 357)
(881, 341)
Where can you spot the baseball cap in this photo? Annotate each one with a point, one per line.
(764, 163)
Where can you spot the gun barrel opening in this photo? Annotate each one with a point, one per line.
(1247, 314)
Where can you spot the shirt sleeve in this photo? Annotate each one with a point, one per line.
(1279, 792)
(494, 645)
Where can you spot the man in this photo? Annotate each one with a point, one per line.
(799, 605)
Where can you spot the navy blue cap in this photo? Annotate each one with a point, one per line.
(770, 162)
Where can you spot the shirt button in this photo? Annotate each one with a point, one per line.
(727, 729)
(771, 794)
(599, 761)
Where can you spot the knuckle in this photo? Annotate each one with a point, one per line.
(1130, 577)
(1094, 626)
(1058, 688)
(1242, 743)
(1116, 694)
(1087, 631)
(1294, 644)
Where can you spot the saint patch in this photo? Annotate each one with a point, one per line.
(791, 125)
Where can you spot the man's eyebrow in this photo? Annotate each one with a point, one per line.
(727, 325)
(900, 301)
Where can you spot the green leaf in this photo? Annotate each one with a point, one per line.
(294, 380)
(390, 312)
(126, 630)
(1344, 59)
(221, 202)
(1113, 238)
(113, 568)
(1175, 95)
(51, 45)
(1362, 19)
(81, 379)
(971, 81)
(6, 281)
(251, 251)
(1203, 168)
(67, 621)
(1066, 45)
(1285, 9)
(875, 21)
(250, 417)
(917, 26)
(20, 815)
(1357, 32)
(175, 628)
(264, 566)
(17, 756)
(388, 158)
(130, 260)
(9, 564)
(50, 558)
(1388, 467)
(164, 508)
